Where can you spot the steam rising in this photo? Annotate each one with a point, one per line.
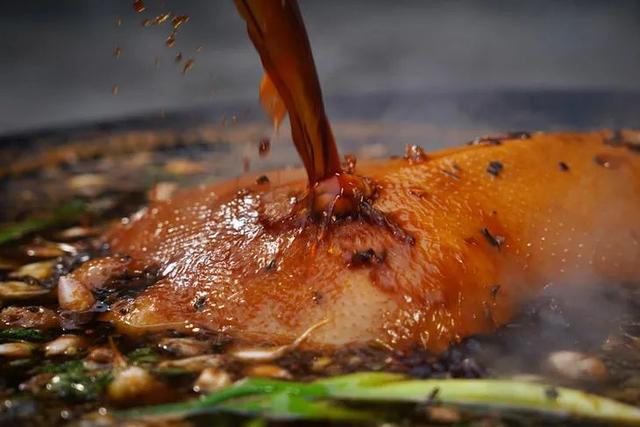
(586, 309)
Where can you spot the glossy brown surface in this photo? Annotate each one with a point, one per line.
(492, 223)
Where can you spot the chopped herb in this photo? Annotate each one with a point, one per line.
(200, 303)
(22, 363)
(80, 385)
(143, 356)
(494, 291)
(256, 422)
(65, 214)
(71, 365)
(23, 334)
(365, 258)
(74, 382)
(494, 240)
(495, 168)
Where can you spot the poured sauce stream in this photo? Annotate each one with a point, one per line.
(278, 33)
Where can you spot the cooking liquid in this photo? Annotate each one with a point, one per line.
(278, 33)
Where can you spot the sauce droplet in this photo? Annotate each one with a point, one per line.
(271, 101)
(350, 163)
(178, 57)
(177, 21)
(264, 147)
(171, 40)
(138, 6)
(160, 19)
(115, 89)
(117, 51)
(188, 66)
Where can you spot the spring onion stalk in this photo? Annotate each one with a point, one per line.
(65, 214)
(24, 334)
(286, 406)
(322, 399)
(501, 394)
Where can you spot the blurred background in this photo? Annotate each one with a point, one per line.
(59, 67)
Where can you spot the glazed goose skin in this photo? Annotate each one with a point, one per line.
(489, 224)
